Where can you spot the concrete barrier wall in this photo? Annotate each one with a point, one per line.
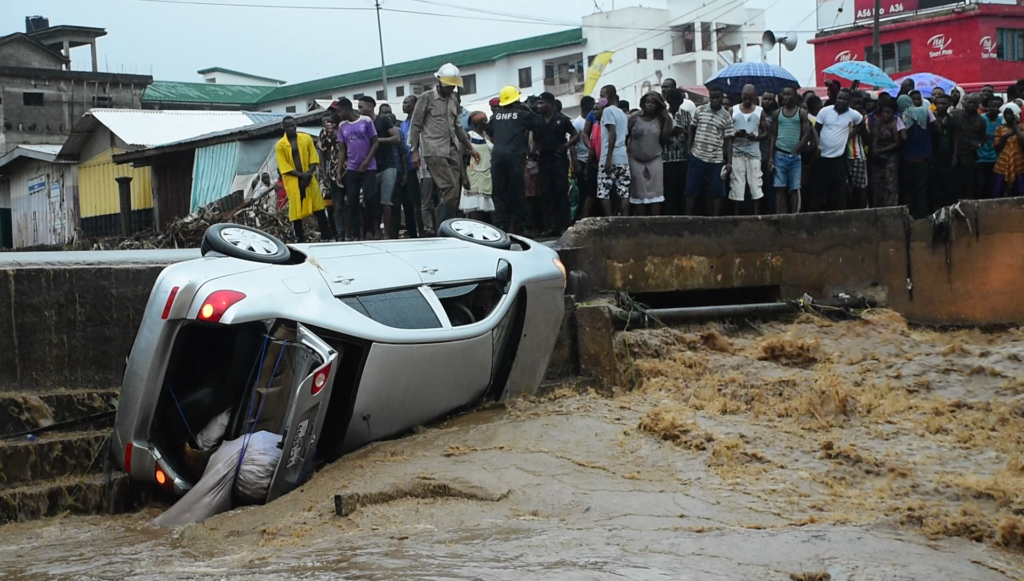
(815, 253)
(70, 328)
(974, 279)
(68, 319)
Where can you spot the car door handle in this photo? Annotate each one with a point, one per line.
(426, 270)
(343, 280)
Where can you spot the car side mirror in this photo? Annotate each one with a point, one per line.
(503, 276)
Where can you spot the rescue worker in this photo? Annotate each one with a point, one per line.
(509, 128)
(435, 135)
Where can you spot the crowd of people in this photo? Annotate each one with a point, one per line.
(528, 168)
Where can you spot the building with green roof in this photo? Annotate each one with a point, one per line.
(550, 62)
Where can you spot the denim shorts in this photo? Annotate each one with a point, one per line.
(787, 171)
(386, 185)
(695, 177)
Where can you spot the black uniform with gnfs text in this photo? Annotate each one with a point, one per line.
(508, 128)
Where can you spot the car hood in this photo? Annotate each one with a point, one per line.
(350, 268)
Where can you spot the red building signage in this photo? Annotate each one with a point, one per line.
(865, 9)
(962, 47)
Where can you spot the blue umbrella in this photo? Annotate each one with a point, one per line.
(864, 72)
(763, 76)
(925, 82)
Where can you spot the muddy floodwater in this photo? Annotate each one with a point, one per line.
(797, 449)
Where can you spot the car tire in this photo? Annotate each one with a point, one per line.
(246, 243)
(476, 232)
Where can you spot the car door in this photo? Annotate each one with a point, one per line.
(404, 386)
(314, 379)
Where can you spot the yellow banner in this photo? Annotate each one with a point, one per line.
(596, 68)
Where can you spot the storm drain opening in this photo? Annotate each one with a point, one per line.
(708, 297)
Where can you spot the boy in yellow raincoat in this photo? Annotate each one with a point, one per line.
(297, 161)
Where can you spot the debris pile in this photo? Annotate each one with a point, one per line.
(187, 232)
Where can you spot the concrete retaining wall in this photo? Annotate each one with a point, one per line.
(68, 319)
(974, 279)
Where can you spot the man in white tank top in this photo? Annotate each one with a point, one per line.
(750, 128)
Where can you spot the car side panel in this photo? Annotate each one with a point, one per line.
(404, 386)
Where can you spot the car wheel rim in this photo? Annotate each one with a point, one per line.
(249, 241)
(476, 230)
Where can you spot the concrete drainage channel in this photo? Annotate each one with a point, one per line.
(73, 316)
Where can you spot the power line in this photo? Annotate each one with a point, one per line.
(482, 11)
(510, 18)
(241, 5)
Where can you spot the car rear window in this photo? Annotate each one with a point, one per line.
(403, 309)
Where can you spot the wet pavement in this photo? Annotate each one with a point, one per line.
(865, 450)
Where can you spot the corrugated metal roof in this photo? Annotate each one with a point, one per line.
(175, 92)
(150, 128)
(40, 152)
(269, 127)
(258, 118)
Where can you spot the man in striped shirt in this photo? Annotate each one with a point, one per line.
(710, 145)
(675, 154)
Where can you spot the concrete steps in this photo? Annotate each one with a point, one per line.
(21, 411)
(61, 470)
(92, 494)
(49, 456)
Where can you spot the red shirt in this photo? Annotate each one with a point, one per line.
(282, 195)
(595, 139)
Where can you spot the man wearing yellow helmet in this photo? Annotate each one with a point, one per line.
(508, 128)
(434, 136)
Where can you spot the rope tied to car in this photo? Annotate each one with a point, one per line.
(250, 430)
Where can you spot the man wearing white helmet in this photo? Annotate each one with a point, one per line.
(435, 136)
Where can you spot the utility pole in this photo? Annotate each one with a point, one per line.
(877, 32)
(380, 37)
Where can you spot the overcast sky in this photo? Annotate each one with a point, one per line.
(173, 40)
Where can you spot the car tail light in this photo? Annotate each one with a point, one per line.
(214, 306)
(170, 302)
(320, 380)
(161, 477)
(128, 457)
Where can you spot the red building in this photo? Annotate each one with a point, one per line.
(970, 44)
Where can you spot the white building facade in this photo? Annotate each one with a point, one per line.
(688, 41)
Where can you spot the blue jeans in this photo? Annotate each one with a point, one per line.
(787, 171)
(699, 169)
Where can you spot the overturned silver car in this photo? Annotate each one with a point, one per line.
(330, 345)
